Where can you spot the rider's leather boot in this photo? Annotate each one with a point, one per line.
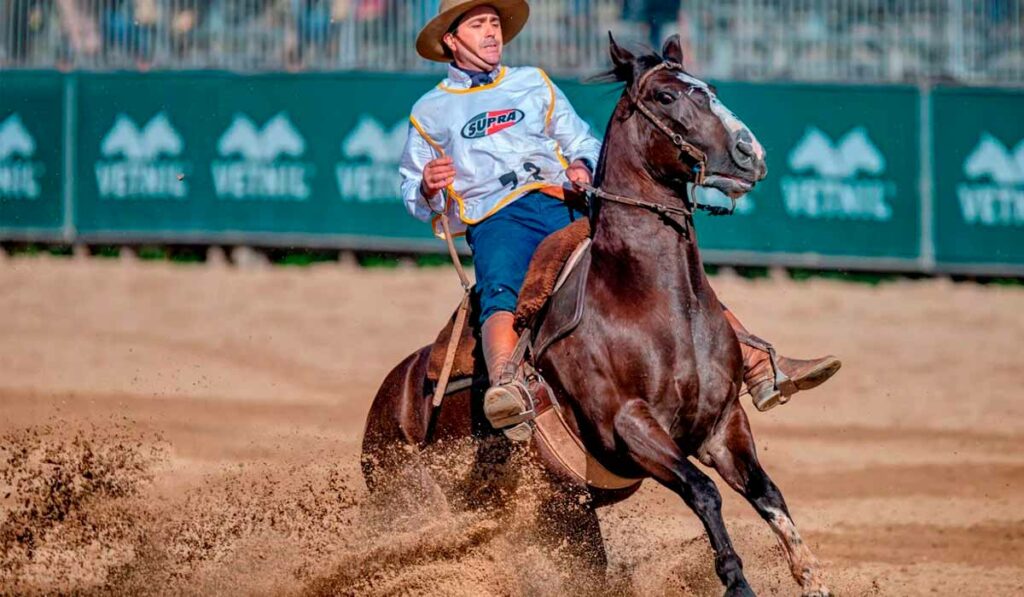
(771, 379)
(507, 403)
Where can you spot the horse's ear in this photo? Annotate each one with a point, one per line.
(673, 50)
(623, 62)
(621, 57)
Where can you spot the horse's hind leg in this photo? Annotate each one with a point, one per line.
(652, 447)
(731, 451)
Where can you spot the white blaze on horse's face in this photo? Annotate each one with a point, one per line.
(737, 130)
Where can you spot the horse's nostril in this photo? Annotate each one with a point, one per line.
(745, 148)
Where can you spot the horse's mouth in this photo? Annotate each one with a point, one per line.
(731, 186)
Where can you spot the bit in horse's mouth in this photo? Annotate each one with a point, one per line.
(731, 186)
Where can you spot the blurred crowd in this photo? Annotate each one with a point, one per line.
(883, 40)
(228, 33)
(178, 33)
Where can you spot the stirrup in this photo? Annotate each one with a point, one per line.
(508, 403)
(510, 407)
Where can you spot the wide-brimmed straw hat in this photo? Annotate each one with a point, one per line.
(429, 44)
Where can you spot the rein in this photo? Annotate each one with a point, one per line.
(460, 321)
(658, 208)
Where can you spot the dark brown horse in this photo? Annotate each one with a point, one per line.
(651, 375)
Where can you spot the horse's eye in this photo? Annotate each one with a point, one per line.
(665, 97)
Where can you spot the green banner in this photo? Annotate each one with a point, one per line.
(210, 155)
(313, 159)
(31, 154)
(979, 177)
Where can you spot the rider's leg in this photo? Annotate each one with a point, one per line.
(499, 341)
(503, 245)
(770, 378)
(506, 402)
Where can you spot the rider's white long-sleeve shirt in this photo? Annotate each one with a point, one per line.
(507, 138)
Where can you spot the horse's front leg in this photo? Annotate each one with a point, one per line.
(651, 447)
(731, 451)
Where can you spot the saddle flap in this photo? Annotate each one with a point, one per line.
(562, 448)
(565, 309)
(550, 267)
(547, 268)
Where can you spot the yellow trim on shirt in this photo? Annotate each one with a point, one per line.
(425, 136)
(547, 119)
(551, 107)
(501, 75)
(526, 188)
(437, 147)
(500, 204)
(505, 200)
(561, 158)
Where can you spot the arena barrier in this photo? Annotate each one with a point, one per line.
(901, 178)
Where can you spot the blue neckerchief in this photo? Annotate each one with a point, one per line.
(476, 78)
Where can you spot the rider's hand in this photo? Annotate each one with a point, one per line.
(578, 173)
(437, 174)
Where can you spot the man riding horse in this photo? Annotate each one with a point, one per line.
(486, 146)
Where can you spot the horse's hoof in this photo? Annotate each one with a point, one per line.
(819, 592)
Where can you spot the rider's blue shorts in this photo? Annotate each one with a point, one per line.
(504, 243)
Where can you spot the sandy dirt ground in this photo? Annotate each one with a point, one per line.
(194, 429)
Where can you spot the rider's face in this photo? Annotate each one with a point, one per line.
(476, 43)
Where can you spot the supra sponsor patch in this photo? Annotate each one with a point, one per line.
(488, 123)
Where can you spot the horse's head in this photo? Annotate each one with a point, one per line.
(685, 133)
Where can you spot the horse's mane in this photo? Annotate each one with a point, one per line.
(626, 72)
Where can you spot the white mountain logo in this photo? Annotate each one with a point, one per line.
(156, 138)
(277, 137)
(371, 152)
(19, 178)
(370, 139)
(262, 163)
(995, 195)
(142, 163)
(992, 159)
(853, 153)
(15, 139)
(837, 180)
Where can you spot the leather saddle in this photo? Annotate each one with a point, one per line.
(550, 300)
(550, 307)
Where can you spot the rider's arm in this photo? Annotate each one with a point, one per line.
(571, 131)
(415, 156)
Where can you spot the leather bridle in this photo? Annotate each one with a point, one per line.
(677, 139)
(684, 146)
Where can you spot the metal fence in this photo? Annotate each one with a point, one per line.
(971, 41)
